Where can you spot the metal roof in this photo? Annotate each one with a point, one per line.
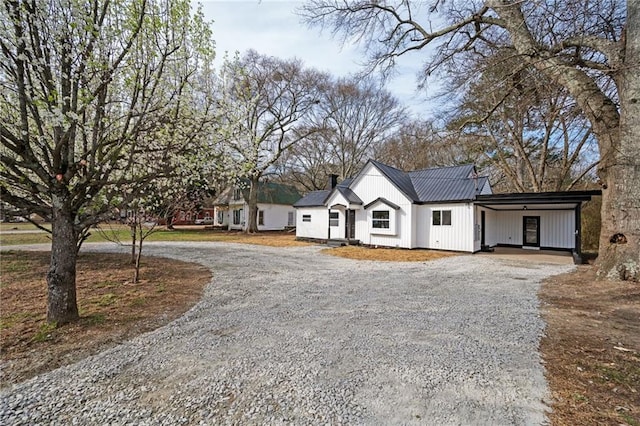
(313, 199)
(268, 193)
(349, 194)
(538, 197)
(399, 178)
(437, 185)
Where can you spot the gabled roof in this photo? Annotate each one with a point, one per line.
(437, 185)
(456, 183)
(268, 193)
(349, 194)
(223, 198)
(319, 198)
(399, 178)
(383, 201)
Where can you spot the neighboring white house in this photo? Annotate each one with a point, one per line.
(275, 206)
(449, 208)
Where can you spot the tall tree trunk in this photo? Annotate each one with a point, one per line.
(619, 252)
(62, 306)
(252, 224)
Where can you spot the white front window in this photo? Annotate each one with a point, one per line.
(380, 219)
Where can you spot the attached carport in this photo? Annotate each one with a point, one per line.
(536, 221)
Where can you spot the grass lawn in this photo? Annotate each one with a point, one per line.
(121, 233)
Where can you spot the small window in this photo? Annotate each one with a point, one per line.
(441, 217)
(380, 219)
(237, 194)
(260, 217)
(306, 218)
(333, 219)
(290, 219)
(446, 217)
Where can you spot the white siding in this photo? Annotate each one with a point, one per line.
(557, 227)
(275, 216)
(459, 236)
(370, 185)
(317, 228)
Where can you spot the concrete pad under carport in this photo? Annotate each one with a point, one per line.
(538, 256)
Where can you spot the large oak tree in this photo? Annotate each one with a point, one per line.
(589, 47)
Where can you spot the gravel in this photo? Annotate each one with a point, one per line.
(294, 336)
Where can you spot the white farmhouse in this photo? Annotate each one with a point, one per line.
(449, 208)
(275, 206)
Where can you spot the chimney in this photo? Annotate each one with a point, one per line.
(333, 181)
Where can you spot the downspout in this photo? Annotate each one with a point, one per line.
(329, 225)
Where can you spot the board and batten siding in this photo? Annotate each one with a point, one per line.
(557, 227)
(459, 236)
(317, 227)
(370, 185)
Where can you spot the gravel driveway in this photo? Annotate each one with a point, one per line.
(293, 336)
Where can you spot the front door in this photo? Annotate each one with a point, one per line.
(531, 231)
(350, 224)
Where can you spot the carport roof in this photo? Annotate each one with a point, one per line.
(565, 197)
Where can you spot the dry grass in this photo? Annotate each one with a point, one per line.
(592, 349)
(386, 254)
(112, 308)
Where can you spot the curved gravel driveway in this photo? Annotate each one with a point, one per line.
(293, 336)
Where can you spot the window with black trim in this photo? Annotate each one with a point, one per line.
(334, 219)
(441, 217)
(306, 218)
(237, 194)
(261, 217)
(380, 219)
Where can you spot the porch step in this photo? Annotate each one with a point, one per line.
(339, 242)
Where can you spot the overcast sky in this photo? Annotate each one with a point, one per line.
(271, 27)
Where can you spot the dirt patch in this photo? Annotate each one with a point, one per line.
(112, 308)
(592, 349)
(386, 254)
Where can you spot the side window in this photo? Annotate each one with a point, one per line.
(446, 217)
(260, 217)
(436, 217)
(441, 217)
(306, 218)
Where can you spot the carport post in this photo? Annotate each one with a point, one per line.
(578, 243)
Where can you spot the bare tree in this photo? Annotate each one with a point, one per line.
(528, 127)
(421, 144)
(263, 101)
(351, 121)
(91, 89)
(591, 48)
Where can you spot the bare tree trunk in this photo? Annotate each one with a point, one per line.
(62, 306)
(136, 273)
(619, 252)
(252, 224)
(134, 232)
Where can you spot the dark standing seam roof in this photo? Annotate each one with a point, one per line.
(457, 183)
(313, 199)
(318, 198)
(399, 178)
(349, 195)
